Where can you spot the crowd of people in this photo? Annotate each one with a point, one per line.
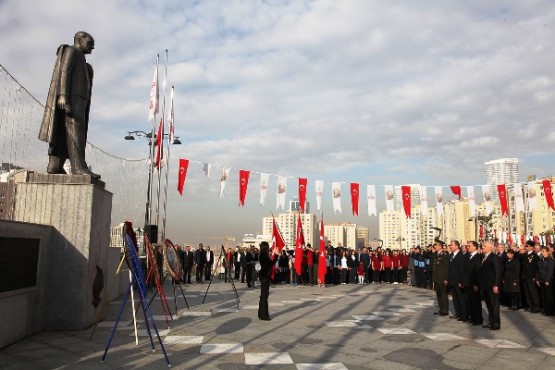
(496, 273)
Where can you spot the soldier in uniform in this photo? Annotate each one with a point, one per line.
(441, 279)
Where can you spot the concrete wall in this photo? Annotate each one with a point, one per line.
(71, 217)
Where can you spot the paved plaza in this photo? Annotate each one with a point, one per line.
(339, 327)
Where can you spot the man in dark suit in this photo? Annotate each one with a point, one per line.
(200, 261)
(529, 272)
(490, 281)
(243, 262)
(237, 262)
(266, 267)
(209, 263)
(470, 283)
(456, 264)
(440, 278)
(188, 262)
(250, 258)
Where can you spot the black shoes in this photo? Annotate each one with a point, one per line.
(265, 318)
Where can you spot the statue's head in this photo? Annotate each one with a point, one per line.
(84, 42)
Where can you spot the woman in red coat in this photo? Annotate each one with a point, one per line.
(376, 267)
(387, 264)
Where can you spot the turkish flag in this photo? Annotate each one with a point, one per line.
(456, 190)
(277, 240)
(548, 193)
(502, 191)
(243, 183)
(159, 145)
(481, 232)
(302, 192)
(355, 191)
(405, 192)
(322, 255)
(182, 173)
(536, 239)
(510, 239)
(299, 242)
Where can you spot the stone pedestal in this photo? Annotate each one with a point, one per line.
(79, 209)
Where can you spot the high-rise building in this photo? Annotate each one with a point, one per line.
(501, 171)
(341, 234)
(287, 223)
(363, 237)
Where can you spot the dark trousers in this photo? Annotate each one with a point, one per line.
(386, 275)
(187, 274)
(264, 294)
(243, 273)
(335, 276)
(249, 274)
(547, 299)
(459, 302)
(492, 304)
(199, 272)
(474, 305)
(237, 270)
(208, 271)
(442, 300)
(531, 295)
(310, 274)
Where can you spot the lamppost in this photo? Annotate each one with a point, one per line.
(150, 137)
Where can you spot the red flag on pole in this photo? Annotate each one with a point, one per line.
(510, 239)
(183, 166)
(277, 240)
(322, 268)
(456, 190)
(405, 190)
(159, 144)
(522, 239)
(502, 191)
(243, 183)
(355, 191)
(302, 192)
(299, 242)
(548, 193)
(536, 239)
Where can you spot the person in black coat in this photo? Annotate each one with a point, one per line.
(490, 281)
(470, 283)
(188, 262)
(266, 266)
(456, 265)
(440, 277)
(546, 267)
(511, 279)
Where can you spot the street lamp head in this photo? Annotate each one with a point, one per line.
(176, 141)
(129, 137)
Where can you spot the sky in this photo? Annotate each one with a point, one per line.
(374, 92)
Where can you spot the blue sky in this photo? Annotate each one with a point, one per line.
(375, 92)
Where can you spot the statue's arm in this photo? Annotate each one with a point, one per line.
(68, 62)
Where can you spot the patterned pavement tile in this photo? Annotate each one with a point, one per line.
(499, 343)
(442, 336)
(222, 348)
(268, 358)
(328, 366)
(182, 339)
(396, 331)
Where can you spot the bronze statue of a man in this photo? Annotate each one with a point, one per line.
(66, 113)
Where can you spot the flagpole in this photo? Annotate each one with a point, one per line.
(167, 166)
(162, 140)
(148, 216)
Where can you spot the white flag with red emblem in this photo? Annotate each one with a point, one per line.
(264, 180)
(423, 193)
(153, 108)
(336, 196)
(371, 195)
(389, 195)
(223, 180)
(281, 190)
(438, 190)
(319, 190)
